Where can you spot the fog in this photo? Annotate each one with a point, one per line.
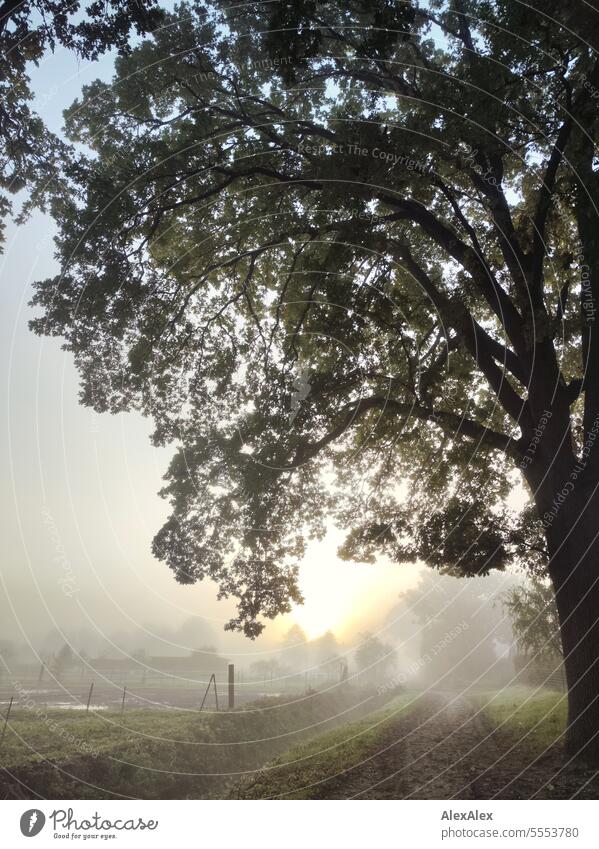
(442, 633)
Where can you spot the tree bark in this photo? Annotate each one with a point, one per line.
(573, 544)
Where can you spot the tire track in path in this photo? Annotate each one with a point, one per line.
(447, 749)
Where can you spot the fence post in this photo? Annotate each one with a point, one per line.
(6, 719)
(231, 686)
(89, 698)
(211, 681)
(123, 702)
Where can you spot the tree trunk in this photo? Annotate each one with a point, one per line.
(573, 541)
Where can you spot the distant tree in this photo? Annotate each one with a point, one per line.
(8, 650)
(295, 649)
(535, 621)
(325, 647)
(8, 653)
(324, 654)
(374, 658)
(295, 636)
(64, 660)
(194, 632)
(266, 669)
(30, 156)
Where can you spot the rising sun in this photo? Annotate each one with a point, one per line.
(341, 596)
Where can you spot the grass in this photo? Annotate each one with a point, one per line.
(63, 735)
(183, 754)
(536, 719)
(302, 771)
(158, 753)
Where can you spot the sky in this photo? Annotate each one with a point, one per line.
(79, 501)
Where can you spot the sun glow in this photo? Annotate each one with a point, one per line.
(345, 597)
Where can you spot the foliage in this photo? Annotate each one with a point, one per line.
(374, 658)
(263, 669)
(30, 156)
(64, 660)
(535, 622)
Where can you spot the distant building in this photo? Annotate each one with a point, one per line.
(198, 665)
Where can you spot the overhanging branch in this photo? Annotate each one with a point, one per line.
(451, 423)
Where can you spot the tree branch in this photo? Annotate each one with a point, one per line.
(542, 210)
(450, 423)
(494, 294)
(482, 347)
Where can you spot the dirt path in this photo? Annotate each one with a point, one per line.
(446, 749)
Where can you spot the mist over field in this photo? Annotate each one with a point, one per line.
(442, 633)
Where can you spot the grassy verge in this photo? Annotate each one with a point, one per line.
(159, 754)
(306, 771)
(536, 719)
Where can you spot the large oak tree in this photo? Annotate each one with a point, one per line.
(346, 256)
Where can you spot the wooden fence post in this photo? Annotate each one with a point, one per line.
(6, 719)
(231, 686)
(123, 702)
(89, 698)
(211, 681)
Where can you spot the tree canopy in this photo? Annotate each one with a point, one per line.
(30, 156)
(337, 252)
